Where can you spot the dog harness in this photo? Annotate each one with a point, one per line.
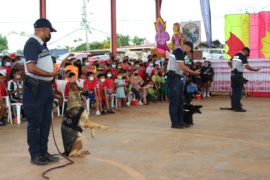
(70, 128)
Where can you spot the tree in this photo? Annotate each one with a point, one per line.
(122, 40)
(137, 41)
(3, 43)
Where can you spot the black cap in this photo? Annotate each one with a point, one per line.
(190, 44)
(247, 50)
(41, 23)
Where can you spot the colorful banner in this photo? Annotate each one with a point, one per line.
(260, 35)
(236, 33)
(251, 30)
(206, 14)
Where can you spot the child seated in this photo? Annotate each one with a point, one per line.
(15, 86)
(72, 83)
(3, 108)
(191, 91)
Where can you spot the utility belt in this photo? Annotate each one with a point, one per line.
(35, 84)
(172, 74)
(237, 77)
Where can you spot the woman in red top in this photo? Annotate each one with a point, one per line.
(3, 108)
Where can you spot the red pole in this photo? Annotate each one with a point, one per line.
(158, 8)
(42, 5)
(113, 28)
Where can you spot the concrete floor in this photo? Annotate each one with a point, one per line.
(141, 145)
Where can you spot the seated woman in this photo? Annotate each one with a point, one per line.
(149, 93)
(3, 107)
(136, 87)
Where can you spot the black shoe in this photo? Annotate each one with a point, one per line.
(39, 160)
(240, 110)
(50, 158)
(102, 112)
(178, 126)
(110, 112)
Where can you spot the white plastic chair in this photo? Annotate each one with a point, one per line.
(57, 108)
(18, 110)
(114, 101)
(61, 85)
(80, 83)
(131, 96)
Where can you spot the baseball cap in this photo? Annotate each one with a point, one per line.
(41, 23)
(190, 44)
(247, 50)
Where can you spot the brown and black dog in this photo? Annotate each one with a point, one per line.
(75, 120)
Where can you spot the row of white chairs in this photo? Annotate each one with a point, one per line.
(61, 85)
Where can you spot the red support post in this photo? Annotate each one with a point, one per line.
(158, 8)
(42, 5)
(113, 28)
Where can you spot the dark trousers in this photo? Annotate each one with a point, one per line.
(175, 88)
(237, 92)
(38, 112)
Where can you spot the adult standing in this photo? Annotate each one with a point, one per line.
(38, 92)
(238, 63)
(175, 84)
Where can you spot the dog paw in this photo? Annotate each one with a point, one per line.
(86, 153)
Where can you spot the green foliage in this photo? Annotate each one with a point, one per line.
(138, 41)
(3, 43)
(122, 40)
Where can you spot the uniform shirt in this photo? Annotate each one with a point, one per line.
(36, 51)
(239, 61)
(177, 56)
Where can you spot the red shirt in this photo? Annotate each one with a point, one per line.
(142, 73)
(2, 90)
(109, 83)
(89, 85)
(67, 89)
(115, 72)
(101, 87)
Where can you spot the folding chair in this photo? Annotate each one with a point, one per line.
(18, 110)
(114, 101)
(61, 84)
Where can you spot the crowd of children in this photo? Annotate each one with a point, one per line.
(122, 80)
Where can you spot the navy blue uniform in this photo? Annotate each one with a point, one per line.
(238, 63)
(175, 86)
(38, 105)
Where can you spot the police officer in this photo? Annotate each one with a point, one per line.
(38, 93)
(238, 63)
(175, 84)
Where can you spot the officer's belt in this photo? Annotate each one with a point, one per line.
(172, 74)
(236, 72)
(37, 81)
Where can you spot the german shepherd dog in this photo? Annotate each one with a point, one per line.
(189, 110)
(75, 120)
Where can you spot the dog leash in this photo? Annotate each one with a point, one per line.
(61, 154)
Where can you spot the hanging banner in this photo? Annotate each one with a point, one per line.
(237, 28)
(206, 14)
(260, 35)
(192, 31)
